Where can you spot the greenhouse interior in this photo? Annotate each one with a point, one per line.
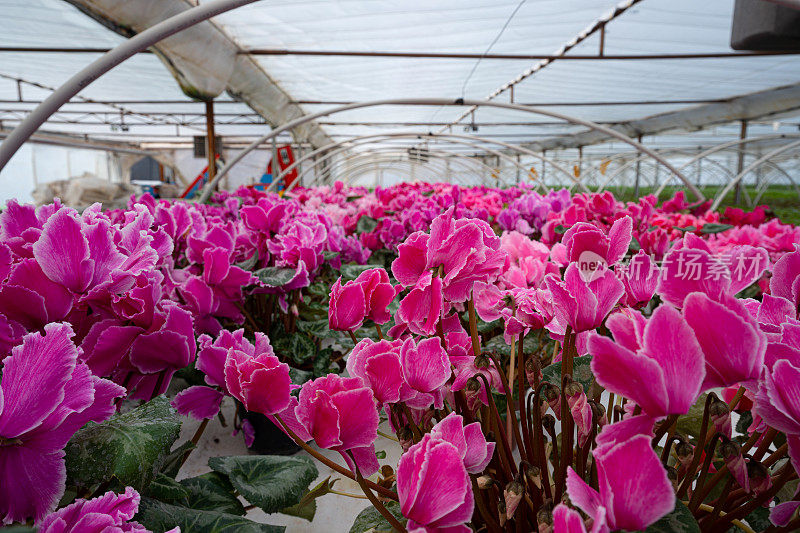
(368, 266)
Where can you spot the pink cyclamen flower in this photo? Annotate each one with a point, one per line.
(340, 414)
(730, 338)
(663, 374)
(785, 281)
(378, 294)
(260, 381)
(690, 267)
(466, 251)
(776, 403)
(348, 306)
(584, 304)
(232, 364)
(46, 395)
(640, 278)
(426, 366)
(566, 520)
(378, 366)
(469, 440)
(421, 309)
(434, 487)
(585, 241)
(634, 488)
(104, 514)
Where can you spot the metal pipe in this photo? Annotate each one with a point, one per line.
(740, 162)
(728, 144)
(751, 166)
(435, 153)
(344, 148)
(387, 159)
(103, 64)
(211, 144)
(427, 55)
(447, 136)
(449, 102)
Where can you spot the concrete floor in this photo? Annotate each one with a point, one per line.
(335, 513)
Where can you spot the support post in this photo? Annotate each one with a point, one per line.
(638, 172)
(740, 163)
(602, 40)
(211, 144)
(274, 161)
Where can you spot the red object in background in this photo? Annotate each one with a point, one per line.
(285, 160)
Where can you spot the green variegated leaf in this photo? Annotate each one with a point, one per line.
(159, 517)
(581, 372)
(370, 519)
(132, 447)
(269, 481)
(211, 492)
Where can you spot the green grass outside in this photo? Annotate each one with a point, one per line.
(782, 199)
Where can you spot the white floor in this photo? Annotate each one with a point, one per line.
(335, 514)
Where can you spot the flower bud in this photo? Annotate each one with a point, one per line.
(534, 473)
(573, 388)
(533, 371)
(731, 452)
(406, 438)
(484, 482)
(685, 452)
(501, 511)
(544, 516)
(759, 477)
(513, 495)
(553, 393)
(549, 422)
(672, 475)
(481, 361)
(720, 417)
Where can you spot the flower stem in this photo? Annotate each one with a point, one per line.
(527, 452)
(195, 440)
(698, 451)
(735, 400)
(374, 501)
(473, 327)
(383, 491)
(380, 332)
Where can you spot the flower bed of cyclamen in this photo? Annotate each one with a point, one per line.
(556, 363)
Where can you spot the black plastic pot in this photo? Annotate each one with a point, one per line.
(269, 439)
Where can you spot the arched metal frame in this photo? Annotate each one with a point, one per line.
(377, 138)
(345, 148)
(106, 62)
(442, 170)
(723, 146)
(439, 171)
(751, 166)
(439, 155)
(445, 102)
(423, 137)
(628, 164)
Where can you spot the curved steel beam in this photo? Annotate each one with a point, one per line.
(342, 149)
(728, 144)
(370, 165)
(106, 62)
(454, 141)
(376, 138)
(445, 101)
(628, 164)
(510, 146)
(439, 154)
(751, 166)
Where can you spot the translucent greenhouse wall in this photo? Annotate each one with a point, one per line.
(36, 164)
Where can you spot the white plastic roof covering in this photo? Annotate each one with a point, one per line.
(539, 27)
